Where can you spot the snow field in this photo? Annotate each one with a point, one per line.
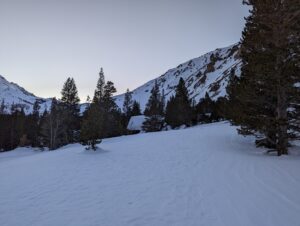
(205, 175)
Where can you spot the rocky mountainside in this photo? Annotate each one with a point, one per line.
(206, 74)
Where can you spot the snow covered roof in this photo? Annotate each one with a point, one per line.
(136, 122)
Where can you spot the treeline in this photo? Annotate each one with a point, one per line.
(66, 123)
(54, 128)
(179, 110)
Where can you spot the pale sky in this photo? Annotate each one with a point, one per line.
(45, 41)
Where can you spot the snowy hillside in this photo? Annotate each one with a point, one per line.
(11, 94)
(205, 175)
(208, 73)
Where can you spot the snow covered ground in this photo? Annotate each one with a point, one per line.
(206, 175)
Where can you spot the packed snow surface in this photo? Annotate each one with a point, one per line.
(206, 175)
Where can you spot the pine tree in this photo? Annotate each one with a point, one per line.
(136, 109)
(102, 119)
(91, 131)
(262, 96)
(171, 118)
(33, 125)
(91, 128)
(111, 113)
(154, 105)
(154, 111)
(16, 127)
(3, 132)
(69, 93)
(36, 108)
(179, 110)
(99, 92)
(205, 109)
(128, 104)
(53, 128)
(2, 107)
(70, 101)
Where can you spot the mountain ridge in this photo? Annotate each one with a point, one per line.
(13, 94)
(208, 73)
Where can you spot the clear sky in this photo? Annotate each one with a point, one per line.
(45, 41)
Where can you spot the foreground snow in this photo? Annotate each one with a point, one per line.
(206, 175)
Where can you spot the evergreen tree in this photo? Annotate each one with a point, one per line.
(2, 107)
(70, 101)
(36, 108)
(4, 131)
(102, 119)
(69, 93)
(262, 96)
(18, 126)
(171, 118)
(33, 123)
(163, 101)
(53, 128)
(154, 105)
(17, 129)
(111, 113)
(154, 111)
(220, 109)
(91, 128)
(43, 128)
(136, 109)
(99, 92)
(205, 110)
(128, 104)
(179, 110)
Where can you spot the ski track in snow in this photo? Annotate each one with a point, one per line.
(206, 175)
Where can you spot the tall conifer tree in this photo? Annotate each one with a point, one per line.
(128, 104)
(154, 111)
(179, 110)
(103, 117)
(70, 101)
(265, 92)
(99, 92)
(136, 108)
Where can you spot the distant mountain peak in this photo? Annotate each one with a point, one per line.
(13, 94)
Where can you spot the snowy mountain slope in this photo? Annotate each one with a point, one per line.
(205, 175)
(208, 73)
(12, 93)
